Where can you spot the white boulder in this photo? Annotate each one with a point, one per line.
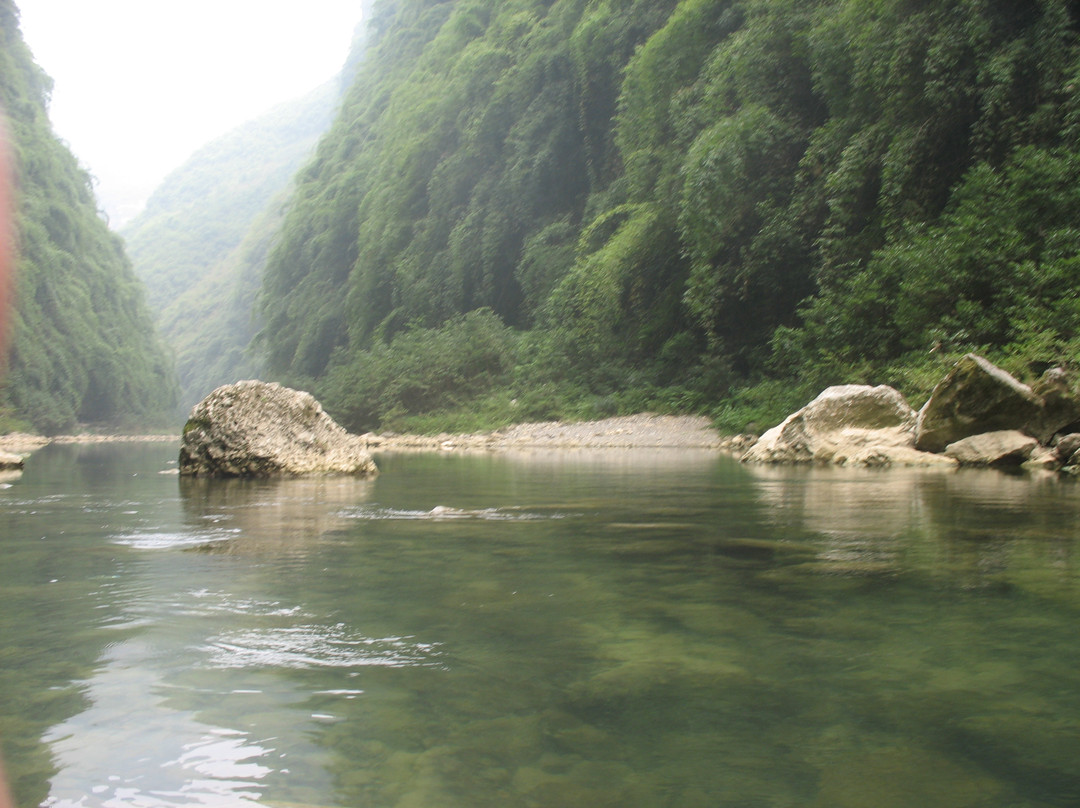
(847, 425)
(260, 429)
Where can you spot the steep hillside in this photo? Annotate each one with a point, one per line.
(682, 203)
(202, 210)
(210, 325)
(83, 347)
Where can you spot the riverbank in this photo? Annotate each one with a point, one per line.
(623, 432)
(644, 430)
(23, 443)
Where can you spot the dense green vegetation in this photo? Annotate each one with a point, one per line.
(712, 205)
(83, 347)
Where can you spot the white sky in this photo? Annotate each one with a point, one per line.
(141, 84)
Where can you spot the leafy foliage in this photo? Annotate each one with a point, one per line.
(83, 345)
(672, 202)
(421, 370)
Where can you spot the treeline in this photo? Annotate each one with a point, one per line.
(82, 347)
(712, 205)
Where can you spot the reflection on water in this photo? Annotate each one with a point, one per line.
(621, 628)
(130, 748)
(268, 516)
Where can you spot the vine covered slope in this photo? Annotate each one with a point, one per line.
(535, 208)
(82, 347)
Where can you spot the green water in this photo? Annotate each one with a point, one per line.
(614, 628)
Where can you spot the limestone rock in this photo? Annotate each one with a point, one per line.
(259, 429)
(848, 425)
(975, 397)
(1060, 407)
(1066, 446)
(1043, 458)
(10, 461)
(1001, 448)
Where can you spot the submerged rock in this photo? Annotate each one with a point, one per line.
(260, 429)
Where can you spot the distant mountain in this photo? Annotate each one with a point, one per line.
(194, 245)
(201, 243)
(83, 344)
(202, 210)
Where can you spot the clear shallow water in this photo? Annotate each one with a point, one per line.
(549, 629)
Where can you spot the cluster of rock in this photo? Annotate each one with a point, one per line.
(977, 415)
(261, 429)
(10, 461)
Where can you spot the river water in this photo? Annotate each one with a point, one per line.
(614, 628)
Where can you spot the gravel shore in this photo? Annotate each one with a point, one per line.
(22, 443)
(623, 432)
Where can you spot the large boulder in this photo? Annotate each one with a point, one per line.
(1008, 447)
(1066, 447)
(975, 397)
(9, 461)
(1060, 406)
(259, 429)
(847, 425)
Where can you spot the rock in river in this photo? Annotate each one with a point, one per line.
(846, 425)
(10, 461)
(260, 429)
(975, 397)
(1007, 447)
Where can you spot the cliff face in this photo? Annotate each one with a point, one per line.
(83, 347)
(680, 196)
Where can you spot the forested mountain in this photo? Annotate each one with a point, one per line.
(83, 347)
(529, 208)
(202, 210)
(201, 243)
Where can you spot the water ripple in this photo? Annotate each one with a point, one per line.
(164, 540)
(313, 646)
(445, 513)
(205, 603)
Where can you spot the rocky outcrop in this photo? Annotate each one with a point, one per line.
(10, 461)
(975, 397)
(978, 415)
(846, 425)
(1007, 447)
(1066, 448)
(1060, 408)
(259, 429)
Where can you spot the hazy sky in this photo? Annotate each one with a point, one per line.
(141, 84)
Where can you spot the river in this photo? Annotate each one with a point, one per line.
(550, 628)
